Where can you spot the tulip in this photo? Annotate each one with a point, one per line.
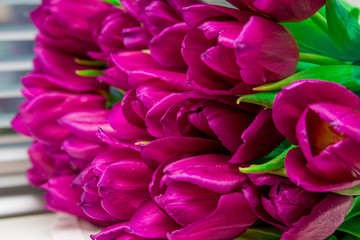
(63, 26)
(107, 27)
(169, 55)
(148, 222)
(153, 87)
(60, 67)
(229, 51)
(200, 192)
(115, 184)
(282, 11)
(83, 145)
(322, 118)
(242, 129)
(62, 196)
(121, 66)
(40, 116)
(157, 15)
(298, 213)
(43, 165)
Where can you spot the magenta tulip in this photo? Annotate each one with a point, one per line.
(323, 119)
(60, 67)
(114, 184)
(299, 214)
(229, 51)
(197, 188)
(40, 115)
(63, 26)
(62, 196)
(283, 10)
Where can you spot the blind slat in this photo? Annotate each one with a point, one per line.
(10, 93)
(23, 34)
(19, 65)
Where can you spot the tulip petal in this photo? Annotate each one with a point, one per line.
(149, 221)
(124, 129)
(295, 165)
(228, 123)
(187, 203)
(113, 232)
(223, 223)
(62, 197)
(136, 38)
(82, 149)
(259, 139)
(169, 55)
(45, 127)
(210, 171)
(43, 164)
(270, 46)
(324, 219)
(160, 150)
(61, 67)
(85, 124)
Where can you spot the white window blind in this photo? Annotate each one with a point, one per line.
(17, 197)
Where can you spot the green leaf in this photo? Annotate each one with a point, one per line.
(265, 99)
(351, 226)
(312, 39)
(344, 29)
(349, 237)
(272, 165)
(115, 95)
(346, 75)
(260, 234)
(276, 152)
(354, 209)
(332, 237)
(353, 10)
(350, 192)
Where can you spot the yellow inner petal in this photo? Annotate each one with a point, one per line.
(321, 134)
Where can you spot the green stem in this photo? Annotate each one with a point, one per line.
(113, 2)
(90, 73)
(93, 63)
(319, 59)
(319, 20)
(272, 165)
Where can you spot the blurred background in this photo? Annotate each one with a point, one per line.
(17, 197)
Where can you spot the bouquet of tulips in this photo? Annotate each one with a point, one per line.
(189, 119)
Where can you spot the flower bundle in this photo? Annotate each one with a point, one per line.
(166, 119)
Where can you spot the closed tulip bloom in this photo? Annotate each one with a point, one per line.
(199, 191)
(156, 15)
(229, 51)
(283, 10)
(63, 26)
(64, 197)
(41, 114)
(299, 214)
(148, 222)
(42, 164)
(107, 27)
(323, 119)
(242, 129)
(83, 145)
(59, 67)
(114, 185)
